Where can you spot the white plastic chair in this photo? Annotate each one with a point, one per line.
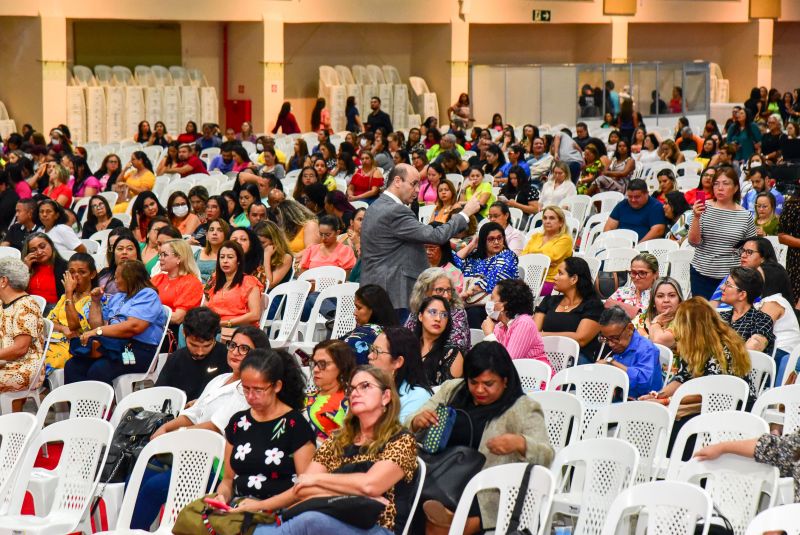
(425, 213)
(16, 432)
(123, 385)
(323, 277)
(718, 392)
(690, 165)
(608, 200)
(293, 296)
(679, 263)
(660, 248)
(10, 252)
(422, 470)
(578, 205)
(762, 373)
(111, 197)
(780, 518)
(507, 479)
(476, 336)
(7, 399)
(617, 259)
(86, 442)
(361, 204)
(563, 416)
(535, 268)
(533, 374)
(670, 507)
(711, 429)
(603, 243)
(344, 320)
(595, 386)
(592, 229)
(601, 469)
(666, 358)
(562, 352)
(193, 452)
(736, 485)
(643, 424)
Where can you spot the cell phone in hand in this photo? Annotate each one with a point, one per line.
(701, 196)
(217, 504)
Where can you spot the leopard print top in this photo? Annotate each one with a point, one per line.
(401, 450)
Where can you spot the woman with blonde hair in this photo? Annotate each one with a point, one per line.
(707, 345)
(299, 224)
(555, 241)
(277, 256)
(57, 188)
(178, 285)
(558, 187)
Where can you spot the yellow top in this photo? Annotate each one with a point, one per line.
(298, 243)
(483, 187)
(557, 249)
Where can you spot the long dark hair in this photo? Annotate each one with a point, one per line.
(277, 365)
(112, 177)
(90, 217)
(140, 132)
(239, 275)
(677, 201)
(223, 206)
(491, 357)
(141, 155)
(138, 208)
(316, 114)
(777, 281)
(89, 261)
(577, 266)
(378, 301)
(81, 172)
(111, 260)
(61, 218)
(442, 339)
(483, 233)
(403, 343)
(250, 188)
(259, 338)
(286, 107)
(254, 257)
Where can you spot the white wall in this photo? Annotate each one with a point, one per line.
(21, 83)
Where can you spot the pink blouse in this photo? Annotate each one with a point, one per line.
(427, 193)
(522, 339)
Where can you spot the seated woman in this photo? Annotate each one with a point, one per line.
(46, 266)
(592, 169)
(678, 214)
(180, 215)
(753, 253)
(432, 177)
(445, 203)
(329, 252)
(57, 188)
(367, 181)
(247, 196)
(215, 208)
(707, 346)
(21, 329)
(178, 285)
(206, 258)
(500, 214)
(277, 258)
(135, 321)
(145, 208)
(476, 186)
(332, 364)
(374, 313)
(619, 171)
(441, 255)
(54, 222)
(575, 312)
(520, 193)
(766, 220)
(137, 177)
(299, 224)
(150, 247)
(777, 304)
(351, 236)
(633, 298)
(373, 455)
(438, 281)
(441, 360)
(740, 291)
(667, 183)
(307, 177)
(122, 246)
(554, 241)
(397, 351)
(510, 320)
(509, 427)
(82, 183)
(67, 316)
(170, 158)
(253, 253)
(558, 187)
(98, 217)
(235, 296)
(705, 186)
(656, 322)
(486, 260)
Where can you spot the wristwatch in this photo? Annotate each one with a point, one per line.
(610, 359)
(99, 331)
(229, 324)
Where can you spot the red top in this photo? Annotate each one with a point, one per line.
(197, 166)
(187, 138)
(184, 292)
(362, 183)
(288, 124)
(43, 283)
(63, 189)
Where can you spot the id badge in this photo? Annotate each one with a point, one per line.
(128, 357)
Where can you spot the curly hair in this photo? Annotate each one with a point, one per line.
(516, 297)
(425, 281)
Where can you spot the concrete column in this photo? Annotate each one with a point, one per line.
(619, 39)
(273, 65)
(765, 43)
(54, 70)
(459, 63)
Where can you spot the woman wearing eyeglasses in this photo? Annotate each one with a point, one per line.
(332, 363)
(441, 360)
(99, 217)
(753, 253)
(439, 281)
(633, 298)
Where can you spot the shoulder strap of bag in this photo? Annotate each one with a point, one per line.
(513, 523)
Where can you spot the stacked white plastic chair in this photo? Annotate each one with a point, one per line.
(427, 104)
(335, 95)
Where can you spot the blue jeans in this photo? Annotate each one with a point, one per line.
(781, 360)
(152, 495)
(314, 523)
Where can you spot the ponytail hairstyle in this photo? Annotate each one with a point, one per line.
(277, 365)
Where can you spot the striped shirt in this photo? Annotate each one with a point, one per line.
(720, 231)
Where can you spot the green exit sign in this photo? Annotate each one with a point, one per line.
(541, 15)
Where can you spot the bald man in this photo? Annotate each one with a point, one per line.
(393, 240)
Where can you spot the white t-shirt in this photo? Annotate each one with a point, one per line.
(215, 396)
(554, 195)
(65, 240)
(786, 329)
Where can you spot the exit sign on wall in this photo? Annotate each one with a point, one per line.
(541, 15)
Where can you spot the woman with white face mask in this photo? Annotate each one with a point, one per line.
(509, 319)
(180, 214)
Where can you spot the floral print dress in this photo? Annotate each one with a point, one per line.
(19, 317)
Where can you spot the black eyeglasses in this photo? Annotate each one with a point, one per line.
(240, 349)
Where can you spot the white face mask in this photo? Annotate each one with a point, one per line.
(490, 311)
(259, 147)
(180, 211)
(363, 142)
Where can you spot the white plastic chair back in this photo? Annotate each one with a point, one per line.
(344, 321)
(144, 75)
(42, 302)
(16, 431)
(602, 243)
(627, 234)
(533, 374)
(578, 205)
(85, 447)
(563, 416)
(123, 385)
(666, 358)
(608, 200)
(193, 452)
(660, 248)
(83, 76)
(535, 268)
(562, 352)
(617, 258)
(762, 373)
(687, 182)
(603, 467)
(122, 75)
(361, 204)
(780, 518)
(594, 385)
(516, 217)
(87, 399)
(679, 268)
(712, 429)
(645, 425)
(789, 397)
(507, 478)
(10, 252)
(689, 155)
(735, 484)
(293, 294)
(425, 213)
(111, 197)
(719, 393)
(323, 277)
(125, 219)
(669, 507)
(150, 399)
(592, 228)
(422, 470)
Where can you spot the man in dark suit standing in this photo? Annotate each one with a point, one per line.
(378, 118)
(392, 238)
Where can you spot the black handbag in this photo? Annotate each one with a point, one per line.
(358, 511)
(513, 522)
(608, 282)
(721, 527)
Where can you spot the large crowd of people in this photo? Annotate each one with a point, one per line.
(188, 274)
